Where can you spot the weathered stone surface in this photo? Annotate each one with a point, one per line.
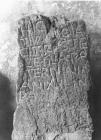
(53, 80)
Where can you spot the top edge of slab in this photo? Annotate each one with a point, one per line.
(61, 20)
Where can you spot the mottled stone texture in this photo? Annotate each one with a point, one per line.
(53, 80)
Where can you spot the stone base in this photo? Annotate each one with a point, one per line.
(26, 128)
(78, 135)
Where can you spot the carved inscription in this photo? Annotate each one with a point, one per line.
(54, 70)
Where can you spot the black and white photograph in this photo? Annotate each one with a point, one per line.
(50, 70)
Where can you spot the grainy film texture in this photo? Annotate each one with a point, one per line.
(53, 80)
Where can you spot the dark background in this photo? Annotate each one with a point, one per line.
(7, 107)
(94, 94)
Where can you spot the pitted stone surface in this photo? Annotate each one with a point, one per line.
(53, 80)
